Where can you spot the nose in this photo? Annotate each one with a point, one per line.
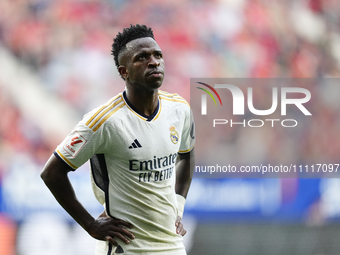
(153, 61)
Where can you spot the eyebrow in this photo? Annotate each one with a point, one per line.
(145, 52)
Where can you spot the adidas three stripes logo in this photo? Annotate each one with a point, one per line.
(135, 144)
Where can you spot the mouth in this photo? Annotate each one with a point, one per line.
(156, 73)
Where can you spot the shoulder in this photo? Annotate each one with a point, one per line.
(173, 99)
(98, 116)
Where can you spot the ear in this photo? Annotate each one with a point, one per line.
(123, 72)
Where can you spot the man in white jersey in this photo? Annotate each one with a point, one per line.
(140, 146)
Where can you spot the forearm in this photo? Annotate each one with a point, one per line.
(185, 164)
(103, 228)
(183, 180)
(57, 181)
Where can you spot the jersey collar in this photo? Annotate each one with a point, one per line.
(153, 116)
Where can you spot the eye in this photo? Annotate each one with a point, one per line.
(142, 57)
(158, 55)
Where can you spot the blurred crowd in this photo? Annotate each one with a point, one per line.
(67, 43)
(20, 139)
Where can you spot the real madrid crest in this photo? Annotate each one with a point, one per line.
(173, 135)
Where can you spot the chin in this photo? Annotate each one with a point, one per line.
(155, 84)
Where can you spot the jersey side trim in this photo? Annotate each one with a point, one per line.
(99, 171)
(101, 177)
(102, 108)
(66, 160)
(110, 249)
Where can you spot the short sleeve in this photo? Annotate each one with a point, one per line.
(188, 133)
(81, 144)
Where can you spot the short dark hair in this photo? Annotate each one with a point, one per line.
(129, 34)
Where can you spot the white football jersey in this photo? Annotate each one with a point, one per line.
(133, 167)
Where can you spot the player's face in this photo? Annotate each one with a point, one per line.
(144, 65)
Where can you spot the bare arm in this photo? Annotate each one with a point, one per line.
(103, 228)
(185, 165)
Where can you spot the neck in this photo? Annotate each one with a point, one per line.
(144, 101)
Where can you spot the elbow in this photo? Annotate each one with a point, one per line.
(47, 175)
(50, 170)
(54, 171)
(44, 175)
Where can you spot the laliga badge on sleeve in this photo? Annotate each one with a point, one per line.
(74, 144)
